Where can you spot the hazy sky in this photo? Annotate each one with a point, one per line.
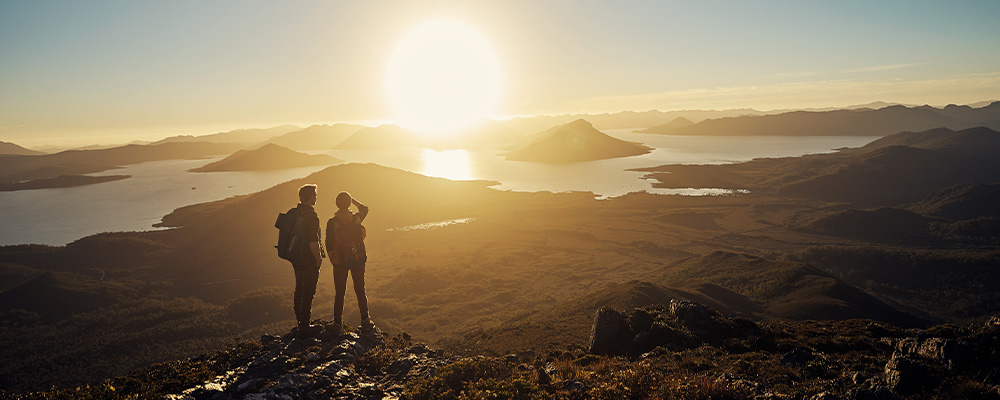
(113, 68)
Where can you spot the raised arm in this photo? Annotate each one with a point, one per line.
(362, 210)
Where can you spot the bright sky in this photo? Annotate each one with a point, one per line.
(115, 69)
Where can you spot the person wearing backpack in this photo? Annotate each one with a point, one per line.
(305, 256)
(345, 243)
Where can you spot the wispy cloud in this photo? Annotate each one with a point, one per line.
(955, 89)
(794, 75)
(877, 68)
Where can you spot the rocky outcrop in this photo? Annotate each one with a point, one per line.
(611, 333)
(919, 364)
(330, 365)
(945, 360)
(678, 325)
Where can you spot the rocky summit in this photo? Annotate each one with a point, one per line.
(678, 350)
(333, 364)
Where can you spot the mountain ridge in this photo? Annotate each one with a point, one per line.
(267, 157)
(860, 122)
(8, 148)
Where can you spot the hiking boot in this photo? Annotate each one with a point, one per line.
(367, 325)
(307, 330)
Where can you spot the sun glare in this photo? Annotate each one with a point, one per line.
(448, 164)
(443, 76)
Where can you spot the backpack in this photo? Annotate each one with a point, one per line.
(349, 238)
(289, 226)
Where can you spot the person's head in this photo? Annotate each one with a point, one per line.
(343, 200)
(307, 194)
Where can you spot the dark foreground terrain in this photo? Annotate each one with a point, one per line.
(679, 350)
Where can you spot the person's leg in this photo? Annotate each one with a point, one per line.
(310, 276)
(297, 296)
(358, 275)
(340, 288)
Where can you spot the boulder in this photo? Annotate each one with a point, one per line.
(947, 352)
(909, 376)
(797, 357)
(694, 316)
(610, 333)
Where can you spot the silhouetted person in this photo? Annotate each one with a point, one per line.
(307, 265)
(347, 254)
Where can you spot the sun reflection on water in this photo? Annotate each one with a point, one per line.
(449, 164)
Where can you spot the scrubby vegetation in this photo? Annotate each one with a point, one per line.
(855, 359)
(949, 284)
(155, 381)
(479, 378)
(115, 339)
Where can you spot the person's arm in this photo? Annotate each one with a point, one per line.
(314, 238)
(362, 210)
(314, 246)
(331, 248)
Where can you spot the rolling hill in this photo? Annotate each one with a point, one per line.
(890, 176)
(961, 202)
(267, 157)
(574, 142)
(897, 169)
(787, 289)
(736, 284)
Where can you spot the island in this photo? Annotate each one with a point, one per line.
(574, 142)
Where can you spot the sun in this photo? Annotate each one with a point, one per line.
(442, 76)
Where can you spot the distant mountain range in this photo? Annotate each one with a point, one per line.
(652, 118)
(316, 137)
(380, 137)
(7, 148)
(246, 136)
(624, 119)
(487, 133)
(860, 122)
(573, 142)
(267, 157)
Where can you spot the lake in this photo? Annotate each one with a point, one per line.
(59, 216)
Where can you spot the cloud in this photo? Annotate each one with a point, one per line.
(824, 93)
(793, 75)
(877, 68)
